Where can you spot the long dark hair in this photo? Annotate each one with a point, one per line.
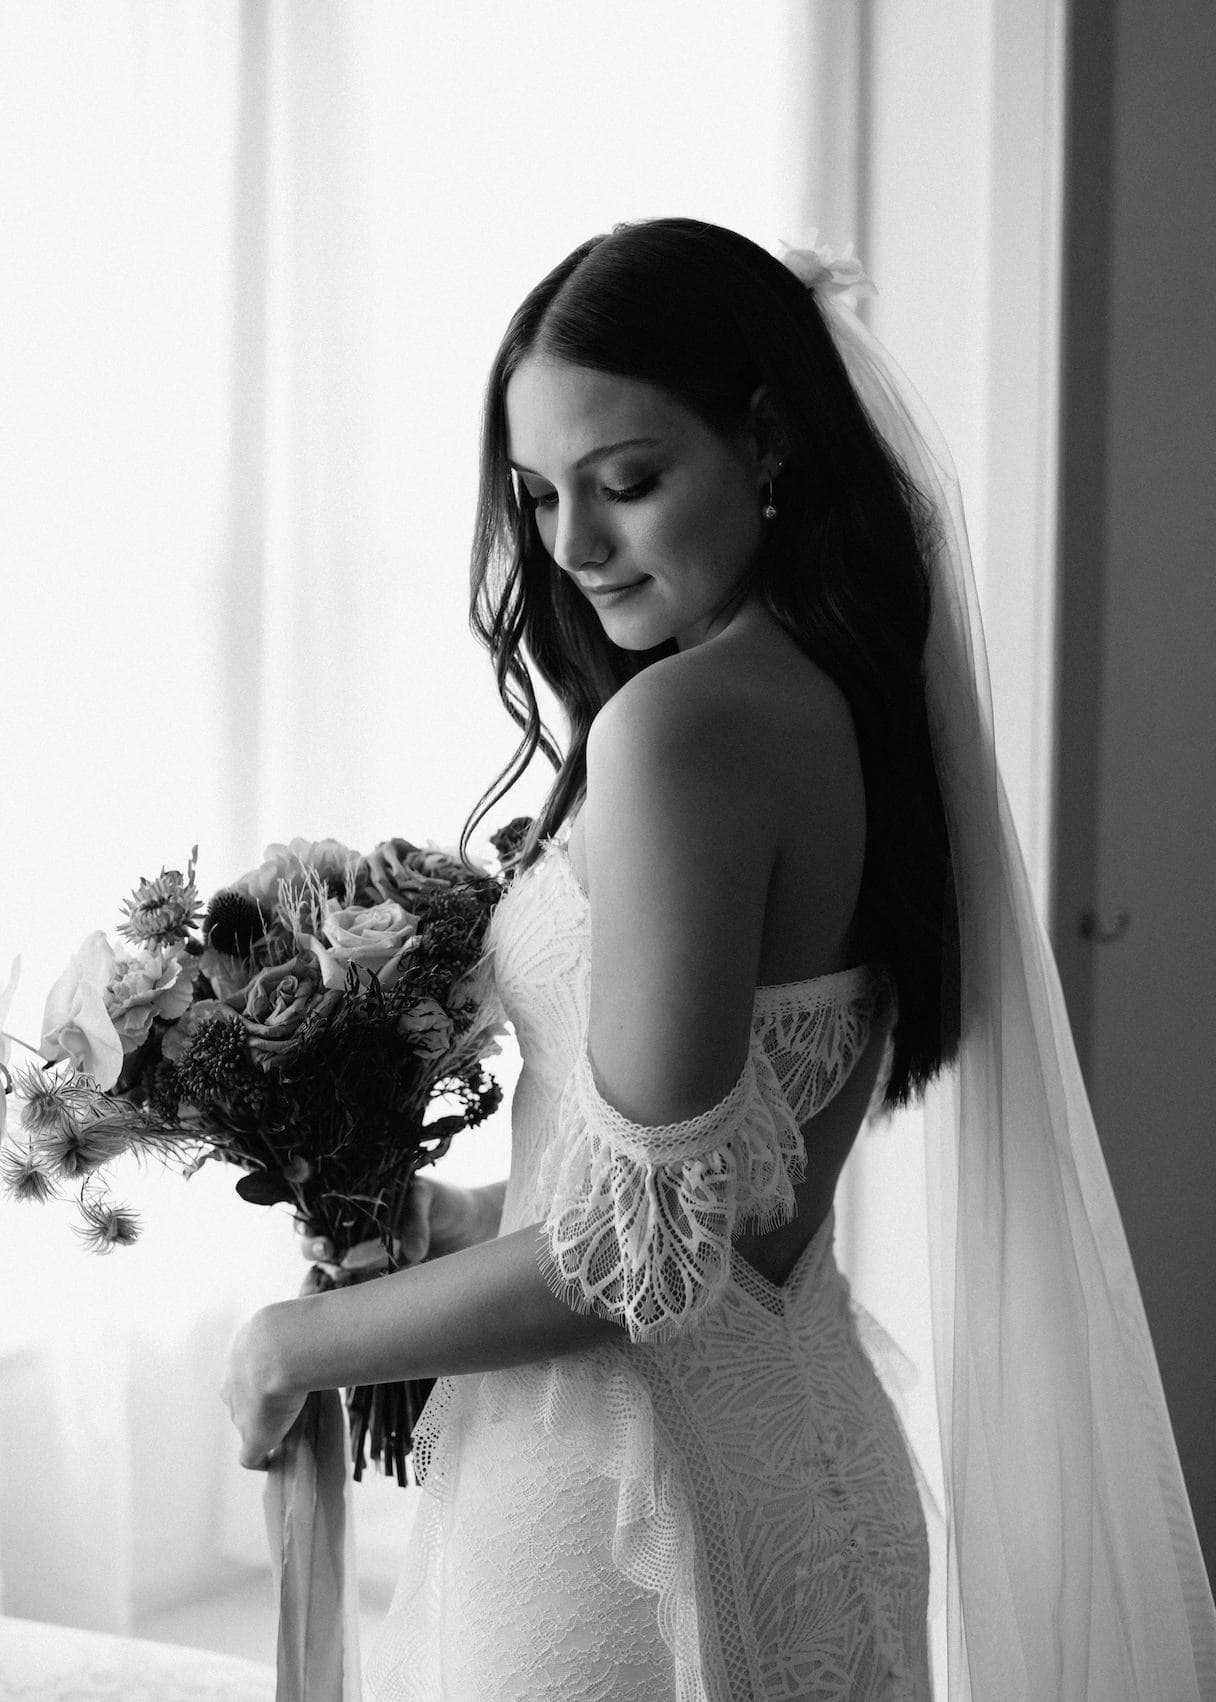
(709, 317)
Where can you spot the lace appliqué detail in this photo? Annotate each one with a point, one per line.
(641, 1218)
(730, 1513)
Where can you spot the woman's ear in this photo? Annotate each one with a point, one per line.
(767, 433)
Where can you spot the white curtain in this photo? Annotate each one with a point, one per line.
(257, 258)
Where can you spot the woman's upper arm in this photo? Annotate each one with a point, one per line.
(679, 850)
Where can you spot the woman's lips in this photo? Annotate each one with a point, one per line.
(612, 593)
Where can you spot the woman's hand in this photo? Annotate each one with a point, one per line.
(411, 1243)
(262, 1412)
(437, 1218)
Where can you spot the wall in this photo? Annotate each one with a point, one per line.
(1136, 784)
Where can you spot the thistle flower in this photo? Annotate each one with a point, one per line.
(234, 923)
(23, 1177)
(106, 1226)
(162, 911)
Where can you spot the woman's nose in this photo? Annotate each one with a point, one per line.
(578, 541)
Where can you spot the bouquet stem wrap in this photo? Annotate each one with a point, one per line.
(311, 1530)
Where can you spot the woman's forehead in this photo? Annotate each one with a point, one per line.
(561, 413)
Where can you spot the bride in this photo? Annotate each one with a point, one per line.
(774, 885)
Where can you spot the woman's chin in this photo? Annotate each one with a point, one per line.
(630, 623)
(636, 635)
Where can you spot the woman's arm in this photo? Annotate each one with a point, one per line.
(480, 1309)
(680, 842)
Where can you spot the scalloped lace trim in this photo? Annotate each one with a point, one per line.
(641, 1218)
(640, 1222)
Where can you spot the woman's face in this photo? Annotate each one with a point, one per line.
(654, 516)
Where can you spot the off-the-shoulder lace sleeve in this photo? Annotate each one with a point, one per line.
(641, 1218)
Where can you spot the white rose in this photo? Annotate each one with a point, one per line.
(76, 1023)
(373, 940)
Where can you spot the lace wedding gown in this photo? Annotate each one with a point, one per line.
(719, 1507)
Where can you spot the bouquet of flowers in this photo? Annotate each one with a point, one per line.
(322, 1025)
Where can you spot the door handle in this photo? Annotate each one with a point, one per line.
(1104, 933)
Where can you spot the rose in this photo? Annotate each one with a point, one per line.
(155, 981)
(373, 940)
(509, 841)
(429, 1027)
(332, 860)
(76, 1023)
(178, 1039)
(278, 1000)
(401, 872)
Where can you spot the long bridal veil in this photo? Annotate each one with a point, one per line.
(1073, 1567)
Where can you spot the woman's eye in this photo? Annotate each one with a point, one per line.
(611, 493)
(631, 493)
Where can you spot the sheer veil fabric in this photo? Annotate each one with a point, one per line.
(1073, 1568)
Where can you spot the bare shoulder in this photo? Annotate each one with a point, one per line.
(735, 766)
(675, 709)
(670, 759)
(774, 727)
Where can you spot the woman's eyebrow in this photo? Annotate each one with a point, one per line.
(594, 454)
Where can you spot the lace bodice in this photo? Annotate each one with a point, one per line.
(640, 1219)
(719, 1505)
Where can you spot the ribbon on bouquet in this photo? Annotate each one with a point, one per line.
(311, 1528)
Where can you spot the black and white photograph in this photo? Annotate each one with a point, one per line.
(607, 928)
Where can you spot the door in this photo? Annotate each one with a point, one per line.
(1135, 866)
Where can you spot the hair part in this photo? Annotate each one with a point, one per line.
(708, 316)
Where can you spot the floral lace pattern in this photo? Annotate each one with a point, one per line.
(640, 1219)
(722, 1510)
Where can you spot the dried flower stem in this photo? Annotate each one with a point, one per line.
(25, 1046)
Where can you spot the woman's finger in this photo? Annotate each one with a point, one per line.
(414, 1229)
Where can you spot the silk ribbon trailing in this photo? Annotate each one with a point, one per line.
(311, 1529)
